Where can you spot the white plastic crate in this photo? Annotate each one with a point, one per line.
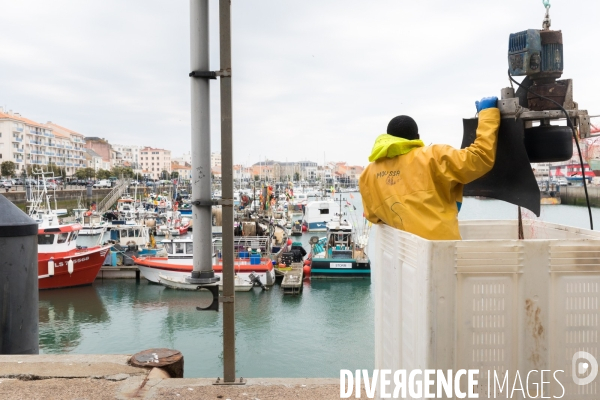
(489, 302)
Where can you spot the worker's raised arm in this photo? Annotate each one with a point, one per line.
(472, 162)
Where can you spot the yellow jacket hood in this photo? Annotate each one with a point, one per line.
(392, 146)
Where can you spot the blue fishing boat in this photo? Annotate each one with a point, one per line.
(340, 254)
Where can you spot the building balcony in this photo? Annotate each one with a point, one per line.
(68, 147)
(51, 145)
(48, 134)
(60, 146)
(69, 164)
(49, 153)
(31, 141)
(60, 163)
(17, 129)
(35, 152)
(18, 160)
(16, 139)
(20, 150)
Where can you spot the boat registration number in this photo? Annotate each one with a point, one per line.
(340, 265)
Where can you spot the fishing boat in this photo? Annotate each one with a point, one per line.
(342, 253)
(250, 258)
(318, 213)
(240, 285)
(92, 223)
(61, 263)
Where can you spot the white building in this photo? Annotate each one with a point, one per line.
(154, 161)
(30, 143)
(215, 160)
(95, 161)
(130, 156)
(184, 171)
(186, 158)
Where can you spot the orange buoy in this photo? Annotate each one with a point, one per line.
(306, 270)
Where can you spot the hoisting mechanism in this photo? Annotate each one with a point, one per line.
(526, 134)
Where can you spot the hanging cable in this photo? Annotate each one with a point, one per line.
(575, 138)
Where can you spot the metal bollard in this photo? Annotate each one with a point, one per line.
(18, 281)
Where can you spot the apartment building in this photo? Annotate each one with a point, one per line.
(130, 156)
(69, 148)
(100, 147)
(94, 160)
(215, 160)
(184, 170)
(185, 158)
(29, 143)
(154, 161)
(242, 174)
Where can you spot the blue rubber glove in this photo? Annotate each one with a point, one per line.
(486, 102)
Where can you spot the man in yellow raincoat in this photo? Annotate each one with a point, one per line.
(419, 188)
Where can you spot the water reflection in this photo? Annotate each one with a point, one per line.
(276, 335)
(63, 314)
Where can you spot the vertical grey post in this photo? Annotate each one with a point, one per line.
(201, 190)
(18, 281)
(227, 190)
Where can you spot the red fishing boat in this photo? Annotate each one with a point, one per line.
(61, 263)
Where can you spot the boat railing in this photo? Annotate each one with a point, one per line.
(244, 247)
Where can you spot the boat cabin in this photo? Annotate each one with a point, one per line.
(178, 248)
(58, 239)
(126, 235)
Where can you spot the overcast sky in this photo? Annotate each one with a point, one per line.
(312, 80)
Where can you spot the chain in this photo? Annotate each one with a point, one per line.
(547, 20)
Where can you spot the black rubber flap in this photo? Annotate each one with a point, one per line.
(511, 179)
(14, 222)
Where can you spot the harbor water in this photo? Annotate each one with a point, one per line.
(327, 328)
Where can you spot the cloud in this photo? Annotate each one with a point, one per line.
(312, 79)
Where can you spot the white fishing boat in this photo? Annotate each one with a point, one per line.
(318, 213)
(92, 223)
(250, 259)
(179, 282)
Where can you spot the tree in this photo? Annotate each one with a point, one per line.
(125, 172)
(102, 174)
(85, 173)
(256, 178)
(164, 174)
(296, 176)
(174, 175)
(8, 168)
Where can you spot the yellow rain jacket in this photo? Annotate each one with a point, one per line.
(416, 188)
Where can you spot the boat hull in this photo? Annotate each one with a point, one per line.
(152, 267)
(180, 283)
(86, 265)
(339, 268)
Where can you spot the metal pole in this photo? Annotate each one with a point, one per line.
(227, 190)
(201, 188)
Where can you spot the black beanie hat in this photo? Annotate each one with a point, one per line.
(403, 126)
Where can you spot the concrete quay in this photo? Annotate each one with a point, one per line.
(110, 377)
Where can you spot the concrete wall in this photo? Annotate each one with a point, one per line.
(575, 195)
